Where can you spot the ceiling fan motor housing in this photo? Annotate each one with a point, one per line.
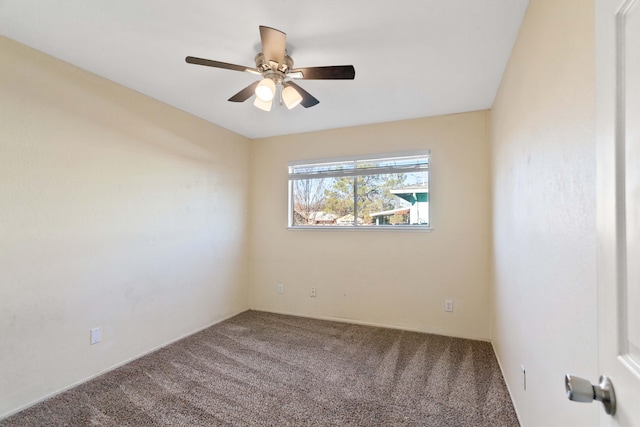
(273, 70)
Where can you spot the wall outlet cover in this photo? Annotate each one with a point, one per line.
(96, 335)
(448, 305)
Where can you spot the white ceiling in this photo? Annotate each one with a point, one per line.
(413, 58)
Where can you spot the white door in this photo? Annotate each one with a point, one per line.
(618, 203)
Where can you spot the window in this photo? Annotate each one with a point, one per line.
(363, 192)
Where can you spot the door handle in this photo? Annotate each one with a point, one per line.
(581, 390)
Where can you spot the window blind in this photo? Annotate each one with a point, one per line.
(359, 167)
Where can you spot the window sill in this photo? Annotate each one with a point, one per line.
(402, 228)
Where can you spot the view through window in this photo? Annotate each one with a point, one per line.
(388, 191)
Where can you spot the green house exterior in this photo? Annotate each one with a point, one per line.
(417, 213)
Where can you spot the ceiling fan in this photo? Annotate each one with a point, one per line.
(276, 69)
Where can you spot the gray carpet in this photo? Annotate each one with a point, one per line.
(262, 369)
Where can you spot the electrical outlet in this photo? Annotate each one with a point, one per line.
(96, 335)
(448, 305)
(280, 288)
(313, 292)
(524, 377)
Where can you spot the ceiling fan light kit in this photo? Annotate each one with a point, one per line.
(266, 89)
(291, 97)
(263, 105)
(276, 69)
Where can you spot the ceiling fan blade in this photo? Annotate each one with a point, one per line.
(218, 64)
(274, 44)
(308, 100)
(334, 72)
(245, 93)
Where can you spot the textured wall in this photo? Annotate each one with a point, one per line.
(116, 211)
(393, 278)
(543, 148)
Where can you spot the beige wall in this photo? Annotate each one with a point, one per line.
(392, 278)
(115, 211)
(543, 149)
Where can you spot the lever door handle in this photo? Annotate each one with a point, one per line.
(581, 390)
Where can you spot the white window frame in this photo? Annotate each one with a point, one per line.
(354, 172)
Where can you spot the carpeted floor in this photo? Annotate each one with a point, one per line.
(262, 369)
